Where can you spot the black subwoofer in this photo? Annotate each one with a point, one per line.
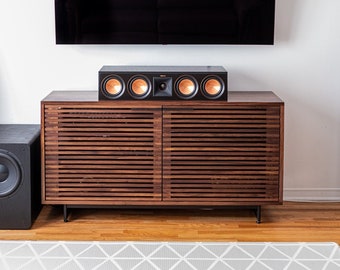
(163, 83)
(20, 180)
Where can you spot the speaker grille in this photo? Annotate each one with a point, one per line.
(104, 154)
(222, 154)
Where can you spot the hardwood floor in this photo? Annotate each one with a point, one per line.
(316, 222)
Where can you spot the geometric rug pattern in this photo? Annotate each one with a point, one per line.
(94, 255)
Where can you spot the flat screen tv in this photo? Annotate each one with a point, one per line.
(165, 21)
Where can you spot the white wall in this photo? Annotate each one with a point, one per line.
(302, 68)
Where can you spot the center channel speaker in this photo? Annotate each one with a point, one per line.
(20, 188)
(163, 83)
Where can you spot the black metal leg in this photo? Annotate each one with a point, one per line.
(65, 213)
(258, 214)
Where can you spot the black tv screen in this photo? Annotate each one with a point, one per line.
(165, 21)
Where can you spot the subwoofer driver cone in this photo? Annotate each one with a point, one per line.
(10, 174)
(213, 87)
(186, 87)
(139, 87)
(113, 87)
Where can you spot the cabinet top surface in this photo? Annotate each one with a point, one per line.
(161, 69)
(233, 97)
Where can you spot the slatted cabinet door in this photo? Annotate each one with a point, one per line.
(101, 154)
(220, 155)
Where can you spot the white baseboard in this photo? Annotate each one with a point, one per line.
(312, 194)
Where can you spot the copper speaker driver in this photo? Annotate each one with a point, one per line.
(139, 87)
(113, 87)
(213, 87)
(186, 87)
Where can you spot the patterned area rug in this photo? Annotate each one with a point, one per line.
(49, 255)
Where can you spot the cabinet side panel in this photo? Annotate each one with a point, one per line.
(282, 125)
(42, 144)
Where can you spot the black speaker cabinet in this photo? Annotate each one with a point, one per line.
(20, 176)
(163, 83)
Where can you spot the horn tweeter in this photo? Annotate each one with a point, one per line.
(162, 87)
(163, 83)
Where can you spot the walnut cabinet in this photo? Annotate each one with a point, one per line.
(162, 153)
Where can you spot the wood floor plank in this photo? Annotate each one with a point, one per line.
(292, 221)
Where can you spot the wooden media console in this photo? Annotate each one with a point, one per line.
(162, 153)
